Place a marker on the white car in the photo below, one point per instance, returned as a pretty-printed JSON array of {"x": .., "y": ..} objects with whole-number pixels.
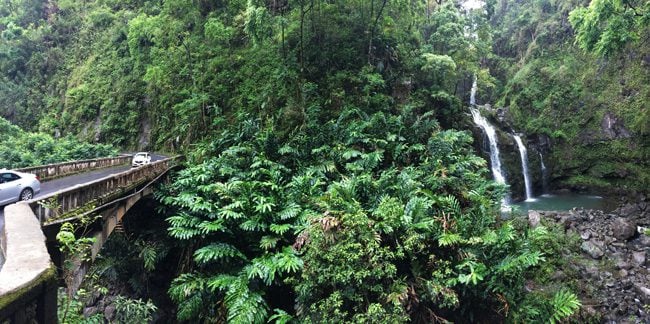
[
  {"x": 140, "y": 159},
  {"x": 15, "y": 186}
]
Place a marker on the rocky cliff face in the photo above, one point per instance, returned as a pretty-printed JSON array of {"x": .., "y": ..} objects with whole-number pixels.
[{"x": 603, "y": 157}]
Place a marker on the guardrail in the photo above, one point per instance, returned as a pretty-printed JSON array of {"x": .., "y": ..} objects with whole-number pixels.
[
  {"x": 60, "y": 203},
  {"x": 28, "y": 282},
  {"x": 57, "y": 170}
]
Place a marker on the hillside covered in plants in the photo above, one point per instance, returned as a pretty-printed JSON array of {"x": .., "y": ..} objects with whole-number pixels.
[
  {"x": 22, "y": 149},
  {"x": 333, "y": 171}
]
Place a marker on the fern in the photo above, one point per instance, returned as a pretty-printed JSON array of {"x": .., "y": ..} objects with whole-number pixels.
[
  {"x": 268, "y": 242},
  {"x": 350, "y": 154},
  {"x": 149, "y": 256},
  {"x": 280, "y": 229},
  {"x": 448, "y": 239},
  {"x": 244, "y": 306},
  {"x": 565, "y": 303},
  {"x": 291, "y": 211},
  {"x": 217, "y": 252},
  {"x": 280, "y": 317},
  {"x": 184, "y": 233},
  {"x": 212, "y": 226},
  {"x": 261, "y": 268},
  {"x": 287, "y": 261}
]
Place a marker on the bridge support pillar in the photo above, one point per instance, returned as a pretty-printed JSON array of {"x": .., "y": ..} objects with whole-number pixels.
[{"x": 46, "y": 305}]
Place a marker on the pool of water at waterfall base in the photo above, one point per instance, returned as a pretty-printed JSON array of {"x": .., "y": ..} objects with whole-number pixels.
[{"x": 565, "y": 201}]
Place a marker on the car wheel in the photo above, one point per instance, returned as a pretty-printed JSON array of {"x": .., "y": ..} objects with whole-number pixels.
[{"x": 26, "y": 194}]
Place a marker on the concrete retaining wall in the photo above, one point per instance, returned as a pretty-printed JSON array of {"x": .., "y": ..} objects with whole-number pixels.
[{"x": 28, "y": 283}]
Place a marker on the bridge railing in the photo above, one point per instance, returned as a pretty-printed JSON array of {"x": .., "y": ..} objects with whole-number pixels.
[
  {"x": 28, "y": 280},
  {"x": 96, "y": 193},
  {"x": 57, "y": 170}
]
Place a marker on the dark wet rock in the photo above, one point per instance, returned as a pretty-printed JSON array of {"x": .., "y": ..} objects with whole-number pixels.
[
  {"x": 643, "y": 291},
  {"x": 644, "y": 241},
  {"x": 627, "y": 209},
  {"x": 639, "y": 258},
  {"x": 109, "y": 312},
  {"x": 592, "y": 271},
  {"x": 618, "y": 286},
  {"x": 592, "y": 249},
  {"x": 613, "y": 128},
  {"x": 89, "y": 311},
  {"x": 622, "y": 264},
  {"x": 623, "y": 228},
  {"x": 558, "y": 275}
]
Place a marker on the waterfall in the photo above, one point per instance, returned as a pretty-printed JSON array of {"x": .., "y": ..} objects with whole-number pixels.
[
  {"x": 472, "y": 94},
  {"x": 524, "y": 167},
  {"x": 544, "y": 174},
  {"x": 491, "y": 133}
]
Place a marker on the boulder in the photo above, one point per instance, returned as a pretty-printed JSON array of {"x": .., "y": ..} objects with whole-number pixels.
[
  {"x": 109, "y": 313},
  {"x": 89, "y": 311},
  {"x": 638, "y": 258},
  {"x": 644, "y": 240},
  {"x": 623, "y": 228},
  {"x": 592, "y": 249},
  {"x": 533, "y": 218},
  {"x": 628, "y": 209},
  {"x": 643, "y": 292}
]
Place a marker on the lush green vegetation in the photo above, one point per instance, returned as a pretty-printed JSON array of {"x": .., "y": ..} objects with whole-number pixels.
[
  {"x": 329, "y": 178},
  {"x": 22, "y": 149},
  {"x": 367, "y": 217}
]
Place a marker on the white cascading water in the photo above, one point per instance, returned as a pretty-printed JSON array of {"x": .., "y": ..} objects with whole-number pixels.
[
  {"x": 491, "y": 133},
  {"x": 544, "y": 173},
  {"x": 524, "y": 167},
  {"x": 495, "y": 161},
  {"x": 472, "y": 93}
]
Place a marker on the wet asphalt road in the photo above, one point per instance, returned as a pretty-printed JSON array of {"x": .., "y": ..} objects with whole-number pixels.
[{"x": 55, "y": 185}]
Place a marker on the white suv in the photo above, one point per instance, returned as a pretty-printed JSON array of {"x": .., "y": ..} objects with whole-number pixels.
[
  {"x": 15, "y": 186},
  {"x": 140, "y": 159}
]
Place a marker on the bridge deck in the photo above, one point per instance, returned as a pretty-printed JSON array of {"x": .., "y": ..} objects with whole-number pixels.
[
  {"x": 62, "y": 183},
  {"x": 55, "y": 185},
  {"x": 110, "y": 193}
]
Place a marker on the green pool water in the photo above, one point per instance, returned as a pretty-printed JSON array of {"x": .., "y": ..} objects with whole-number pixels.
[{"x": 564, "y": 201}]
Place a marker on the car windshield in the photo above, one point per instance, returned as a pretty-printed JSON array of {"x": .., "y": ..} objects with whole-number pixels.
[{"x": 141, "y": 155}]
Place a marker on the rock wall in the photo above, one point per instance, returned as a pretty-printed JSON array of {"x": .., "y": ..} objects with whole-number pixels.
[{"x": 612, "y": 273}]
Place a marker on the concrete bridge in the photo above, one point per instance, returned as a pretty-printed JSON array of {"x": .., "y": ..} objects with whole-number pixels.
[{"x": 30, "y": 275}]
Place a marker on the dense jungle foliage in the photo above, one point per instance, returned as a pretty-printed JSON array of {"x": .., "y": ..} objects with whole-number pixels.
[
  {"x": 22, "y": 149},
  {"x": 330, "y": 174}
]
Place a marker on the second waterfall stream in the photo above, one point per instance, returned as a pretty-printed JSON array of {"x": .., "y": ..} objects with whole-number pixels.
[{"x": 524, "y": 167}]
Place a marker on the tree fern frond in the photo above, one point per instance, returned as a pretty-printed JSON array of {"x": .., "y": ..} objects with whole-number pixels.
[
  {"x": 565, "y": 303},
  {"x": 268, "y": 242},
  {"x": 448, "y": 239},
  {"x": 280, "y": 229},
  {"x": 212, "y": 226},
  {"x": 216, "y": 252},
  {"x": 184, "y": 233},
  {"x": 290, "y": 211},
  {"x": 245, "y": 306}
]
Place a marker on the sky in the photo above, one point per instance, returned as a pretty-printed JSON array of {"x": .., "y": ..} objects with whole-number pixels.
[{"x": 473, "y": 4}]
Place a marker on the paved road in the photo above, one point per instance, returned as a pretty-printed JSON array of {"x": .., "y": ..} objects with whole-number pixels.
[{"x": 49, "y": 187}]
